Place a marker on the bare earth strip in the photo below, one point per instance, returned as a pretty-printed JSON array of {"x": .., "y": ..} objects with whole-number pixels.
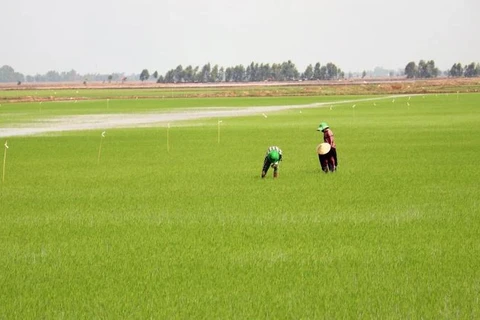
[{"x": 108, "y": 121}]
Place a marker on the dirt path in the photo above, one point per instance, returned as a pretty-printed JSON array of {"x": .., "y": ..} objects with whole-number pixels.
[{"x": 108, "y": 121}]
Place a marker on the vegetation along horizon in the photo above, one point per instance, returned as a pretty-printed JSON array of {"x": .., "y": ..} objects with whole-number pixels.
[{"x": 175, "y": 222}]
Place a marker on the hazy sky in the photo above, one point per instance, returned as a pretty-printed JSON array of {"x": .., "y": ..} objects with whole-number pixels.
[{"x": 104, "y": 36}]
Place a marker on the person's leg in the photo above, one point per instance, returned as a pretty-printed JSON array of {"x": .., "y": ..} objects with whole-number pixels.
[
  {"x": 331, "y": 160},
  {"x": 331, "y": 164},
  {"x": 266, "y": 165},
  {"x": 275, "y": 172},
  {"x": 323, "y": 162},
  {"x": 334, "y": 151}
]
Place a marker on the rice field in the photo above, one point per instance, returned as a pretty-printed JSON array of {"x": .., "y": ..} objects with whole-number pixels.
[{"x": 176, "y": 222}]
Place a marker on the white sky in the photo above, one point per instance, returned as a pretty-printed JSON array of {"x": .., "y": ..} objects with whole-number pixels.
[{"x": 105, "y": 36}]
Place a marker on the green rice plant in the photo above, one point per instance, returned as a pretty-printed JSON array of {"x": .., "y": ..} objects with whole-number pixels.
[
  {"x": 196, "y": 233},
  {"x": 20, "y": 113}
]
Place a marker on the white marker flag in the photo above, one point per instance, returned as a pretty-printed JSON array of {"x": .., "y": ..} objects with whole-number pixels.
[
  {"x": 100, "y": 147},
  {"x": 4, "y": 161},
  {"x": 218, "y": 131}
]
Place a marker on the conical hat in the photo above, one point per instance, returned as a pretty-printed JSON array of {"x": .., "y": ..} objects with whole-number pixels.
[{"x": 323, "y": 148}]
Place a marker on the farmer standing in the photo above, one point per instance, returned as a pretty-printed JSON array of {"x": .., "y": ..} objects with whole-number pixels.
[
  {"x": 329, "y": 160},
  {"x": 272, "y": 159}
]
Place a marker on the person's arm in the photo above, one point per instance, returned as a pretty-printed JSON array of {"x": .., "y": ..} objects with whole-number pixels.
[{"x": 328, "y": 137}]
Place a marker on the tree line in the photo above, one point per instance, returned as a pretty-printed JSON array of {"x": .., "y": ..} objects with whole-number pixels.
[
  {"x": 8, "y": 74},
  {"x": 285, "y": 71},
  {"x": 469, "y": 70},
  {"x": 427, "y": 69}
]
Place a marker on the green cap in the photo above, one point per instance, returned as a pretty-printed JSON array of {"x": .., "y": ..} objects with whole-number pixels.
[
  {"x": 322, "y": 126},
  {"x": 274, "y": 156}
]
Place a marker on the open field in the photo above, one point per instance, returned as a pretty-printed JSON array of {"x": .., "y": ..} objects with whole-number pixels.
[
  {"x": 57, "y": 116},
  {"x": 189, "y": 230},
  {"x": 137, "y": 90}
]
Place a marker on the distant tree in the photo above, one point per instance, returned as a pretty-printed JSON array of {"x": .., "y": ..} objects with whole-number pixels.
[
  {"x": 69, "y": 76},
  {"x": 308, "y": 73},
  {"x": 470, "y": 70},
  {"x": 220, "y": 75},
  {"x": 8, "y": 74},
  {"x": 290, "y": 71},
  {"x": 196, "y": 75},
  {"x": 144, "y": 75},
  {"x": 228, "y": 74},
  {"x": 160, "y": 79},
  {"x": 155, "y": 75},
  {"x": 432, "y": 71},
  {"x": 323, "y": 72},
  {"x": 425, "y": 69},
  {"x": 264, "y": 72},
  {"x": 411, "y": 70},
  {"x": 53, "y": 76},
  {"x": 332, "y": 71},
  {"x": 205, "y": 73},
  {"x": 213, "y": 74},
  {"x": 422, "y": 69},
  {"x": 169, "y": 76},
  {"x": 39, "y": 78},
  {"x": 364, "y": 74},
  {"x": 249, "y": 73},
  {"x": 110, "y": 77},
  {"x": 256, "y": 72},
  {"x": 188, "y": 74},
  {"x": 179, "y": 74},
  {"x": 276, "y": 72},
  {"x": 456, "y": 70},
  {"x": 238, "y": 73},
  {"x": 316, "y": 71}
]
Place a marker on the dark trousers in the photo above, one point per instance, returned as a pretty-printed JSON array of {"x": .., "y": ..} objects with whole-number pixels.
[
  {"x": 328, "y": 161},
  {"x": 267, "y": 164}
]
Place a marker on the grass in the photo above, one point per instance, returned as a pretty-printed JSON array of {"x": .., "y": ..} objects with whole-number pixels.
[
  {"x": 15, "y": 113},
  {"x": 195, "y": 233}
]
